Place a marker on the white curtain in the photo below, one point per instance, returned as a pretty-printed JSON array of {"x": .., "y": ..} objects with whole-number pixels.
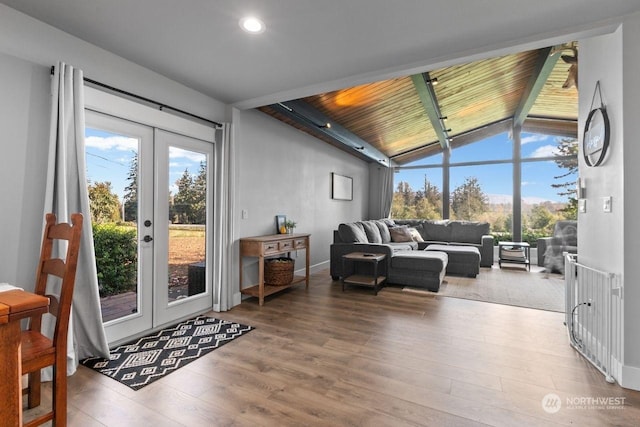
[
  {"x": 65, "y": 194},
  {"x": 223, "y": 259}
]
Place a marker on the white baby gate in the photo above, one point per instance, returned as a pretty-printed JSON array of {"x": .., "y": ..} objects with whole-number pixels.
[{"x": 593, "y": 315}]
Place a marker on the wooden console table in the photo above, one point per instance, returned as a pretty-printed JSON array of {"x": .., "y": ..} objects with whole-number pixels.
[
  {"x": 14, "y": 306},
  {"x": 266, "y": 246}
]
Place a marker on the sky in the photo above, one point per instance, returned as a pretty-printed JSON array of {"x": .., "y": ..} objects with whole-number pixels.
[
  {"x": 109, "y": 158},
  {"x": 496, "y": 180}
]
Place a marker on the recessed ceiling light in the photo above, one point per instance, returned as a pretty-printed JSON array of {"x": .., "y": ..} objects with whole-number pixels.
[{"x": 252, "y": 25}]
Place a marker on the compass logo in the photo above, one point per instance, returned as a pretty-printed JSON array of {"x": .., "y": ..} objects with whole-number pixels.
[{"x": 551, "y": 403}]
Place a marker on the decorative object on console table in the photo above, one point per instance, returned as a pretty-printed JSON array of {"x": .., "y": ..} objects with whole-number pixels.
[
  {"x": 289, "y": 226},
  {"x": 280, "y": 224},
  {"x": 341, "y": 187},
  {"x": 268, "y": 246}
]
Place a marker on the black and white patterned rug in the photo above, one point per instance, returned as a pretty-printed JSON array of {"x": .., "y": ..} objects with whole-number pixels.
[{"x": 140, "y": 363}]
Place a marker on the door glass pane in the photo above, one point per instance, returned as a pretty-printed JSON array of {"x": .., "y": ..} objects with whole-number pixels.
[
  {"x": 187, "y": 223},
  {"x": 112, "y": 180}
]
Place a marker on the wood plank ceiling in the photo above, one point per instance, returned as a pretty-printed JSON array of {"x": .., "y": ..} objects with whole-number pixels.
[{"x": 389, "y": 121}]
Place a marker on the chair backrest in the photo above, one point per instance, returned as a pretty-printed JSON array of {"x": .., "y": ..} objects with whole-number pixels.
[
  {"x": 567, "y": 230},
  {"x": 62, "y": 268}
]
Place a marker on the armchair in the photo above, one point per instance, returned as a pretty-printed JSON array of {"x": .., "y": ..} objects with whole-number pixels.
[{"x": 550, "y": 249}]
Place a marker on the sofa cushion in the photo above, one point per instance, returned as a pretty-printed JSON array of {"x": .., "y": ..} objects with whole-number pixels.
[
  {"x": 468, "y": 231},
  {"x": 352, "y": 233},
  {"x": 372, "y": 231},
  {"x": 384, "y": 230},
  {"x": 420, "y": 260},
  {"x": 436, "y": 230},
  {"x": 403, "y": 246},
  {"x": 400, "y": 234}
]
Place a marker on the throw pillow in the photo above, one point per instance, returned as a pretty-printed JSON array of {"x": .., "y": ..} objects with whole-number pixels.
[
  {"x": 400, "y": 234},
  {"x": 415, "y": 235}
]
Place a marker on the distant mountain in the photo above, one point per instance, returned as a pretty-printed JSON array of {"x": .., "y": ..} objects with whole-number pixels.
[{"x": 505, "y": 199}]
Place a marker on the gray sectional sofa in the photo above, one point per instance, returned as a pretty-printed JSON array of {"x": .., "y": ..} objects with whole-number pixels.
[{"x": 419, "y": 268}]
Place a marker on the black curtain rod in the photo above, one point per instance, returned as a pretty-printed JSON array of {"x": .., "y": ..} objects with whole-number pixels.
[{"x": 142, "y": 98}]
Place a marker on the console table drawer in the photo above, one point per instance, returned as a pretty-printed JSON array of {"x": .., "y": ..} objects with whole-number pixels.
[
  {"x": 300, "y": 243},
  {"x": 271, "y": 247},
  {"x": 285, "y": 245}
]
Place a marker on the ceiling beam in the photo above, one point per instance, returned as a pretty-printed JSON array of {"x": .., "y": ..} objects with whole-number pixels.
[
  {"x": 424, "y": 87},
  {"x": 559, "y": 127},
  {"x": 309, "y": 117},
  {"x": 543, "y": 68},
  {"x": 468, "y": 137}
]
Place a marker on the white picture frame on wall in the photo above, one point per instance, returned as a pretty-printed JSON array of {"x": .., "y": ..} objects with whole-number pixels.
[{"x": 341, "y": 187}]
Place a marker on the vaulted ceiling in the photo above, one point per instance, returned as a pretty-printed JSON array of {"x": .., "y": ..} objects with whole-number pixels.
[
  {"x": 363, "y": 65},
  {"x": 406, "y": 118}
]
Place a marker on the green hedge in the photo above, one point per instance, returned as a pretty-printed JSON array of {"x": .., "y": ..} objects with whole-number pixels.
[
  {"x": 530, "y": 237},
  {"x": 116, "y": 258}
]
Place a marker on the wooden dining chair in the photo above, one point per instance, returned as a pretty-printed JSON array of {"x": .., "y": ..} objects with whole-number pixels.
[{"x": 38, "y": 351}]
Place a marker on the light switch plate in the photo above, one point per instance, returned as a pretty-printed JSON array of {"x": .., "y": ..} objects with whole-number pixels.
[
  {"x": 245, "y": 213},
  {"x": 606, "y": 204},
  {"x": 582, "y": 205}
]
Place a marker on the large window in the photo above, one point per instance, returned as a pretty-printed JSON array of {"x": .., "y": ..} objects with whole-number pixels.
[
  {"x": 483, "y": 193},
  {"x": 481, "y": 184},
  {"x": 418, "y": 194}
]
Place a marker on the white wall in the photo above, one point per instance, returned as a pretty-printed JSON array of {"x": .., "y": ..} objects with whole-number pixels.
[
  {"x": 280, "y": 170},
  {"x": 24, "y": 118},
  {"x": 630, "y": 161},
  {"x": 40, "y": 43},
  {"x": 28, "y": 48},
  {"x": 600, "y": 235},
  {"x": 608, "y": 241}
]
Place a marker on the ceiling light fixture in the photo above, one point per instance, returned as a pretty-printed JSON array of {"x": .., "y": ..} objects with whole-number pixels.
[
  {"x": 433, "y": 81},
  {"x": 252, "y": 25},
  {"x": 325, "y": 126}
]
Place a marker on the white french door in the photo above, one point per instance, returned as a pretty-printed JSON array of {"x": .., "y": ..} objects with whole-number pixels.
[
  {"x": 151, "y": 197},
  {"x": 183, "y": 218}
]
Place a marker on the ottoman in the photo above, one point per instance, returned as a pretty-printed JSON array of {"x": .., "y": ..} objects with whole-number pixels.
[
  {"x": 422, "y": 269},
  {"x": 463, "y": 260}
]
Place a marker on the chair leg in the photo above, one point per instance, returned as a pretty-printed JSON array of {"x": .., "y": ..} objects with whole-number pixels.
[
  {"x": 34, "y": 393},
  {"x": 59, "y": 394}
]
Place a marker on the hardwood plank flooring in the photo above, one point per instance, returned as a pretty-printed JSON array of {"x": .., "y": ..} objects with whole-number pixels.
[{"x": 323, "y": 357}]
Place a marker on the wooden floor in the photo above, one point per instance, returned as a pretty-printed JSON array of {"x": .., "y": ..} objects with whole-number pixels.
[{"x": 327, "y": 358}]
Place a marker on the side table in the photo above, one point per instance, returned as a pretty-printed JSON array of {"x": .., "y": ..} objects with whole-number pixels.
[
  {"x": 514, "y": 253},
  {"x": 363, "y": 279}
]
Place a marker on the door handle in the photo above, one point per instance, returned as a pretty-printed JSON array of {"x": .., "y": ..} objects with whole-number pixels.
[{"x": 147, "y": 238}]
